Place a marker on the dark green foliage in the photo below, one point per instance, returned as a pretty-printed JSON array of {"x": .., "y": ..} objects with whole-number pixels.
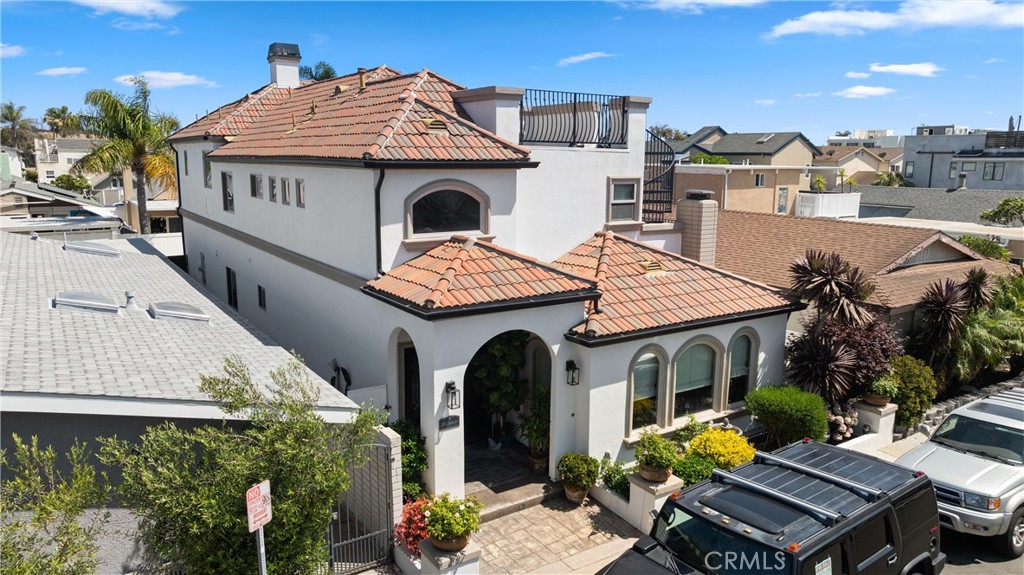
[
  {"x": 31, "y": 175},
  {"x": 987, "y": 247},
  {"x": 702, "y": 158},
  {"x": 789, "y": 414},
  {"x": 1009, "y": 212},
  {"x": 693, "y": 468},
  {"x": 321, "y": 71},
  {"x": 579, "y": 470},
  {"x": 693, "y": 429},
  {"x": 667, "y": 132},
  {"x": 414, "y": 458},
  {"x": 536, "y": 424},
  {"x": 837, "y": 289},
  {"x": 655, "y": 451},
  {"x": 497, "y": 367},
  {"x": 73, "y": 183},
  {"x": 821, "y": 364},
  {"x": 615, "y": 477},
  {"x": 917, "y": 389}
]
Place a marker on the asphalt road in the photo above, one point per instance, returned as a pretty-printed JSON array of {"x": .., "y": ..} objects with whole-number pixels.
[{"x": 972, "y": 555}]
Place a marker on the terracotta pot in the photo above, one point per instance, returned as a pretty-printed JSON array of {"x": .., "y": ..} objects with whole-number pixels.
[
  {"x": 876, "y": 400},
  {"x": 450, "y": 545},
  {"x": 538, "y": 464},
  {"x": 655, "y": 474},
  {"x": 576, "y": 494}
]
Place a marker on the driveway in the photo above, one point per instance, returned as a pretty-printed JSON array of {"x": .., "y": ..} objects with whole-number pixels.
[{"x": 973, "y": 555}]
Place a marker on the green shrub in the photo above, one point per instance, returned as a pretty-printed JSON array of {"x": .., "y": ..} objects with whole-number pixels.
[
  {"x": 452, "y": 518},
  {"x": 579, "y": 470},
  {"x": 693, "y": 468},
  {"x": 726, "y": 449},
  {"x": 615, "y": 477},
  {"x": 887, "y": 386},
  {"x": 917, "y": 389},
  {"x": 789, "y": 414},
  {"x": 693, "y": 429},
  {"x": 414, "y": 458},
  {"x": 655, "y": 451}
]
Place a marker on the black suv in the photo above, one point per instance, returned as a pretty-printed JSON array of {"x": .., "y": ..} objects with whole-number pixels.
[{"x": 806, "y": 509}]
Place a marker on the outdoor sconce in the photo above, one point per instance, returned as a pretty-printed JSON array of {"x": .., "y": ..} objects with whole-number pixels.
[
  {"x": 454, "y": 396},
  {"x": 572, "y": 373}
]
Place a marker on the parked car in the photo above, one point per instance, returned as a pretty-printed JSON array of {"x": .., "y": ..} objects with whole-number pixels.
[
  {"x": 976, "y": 460},
  {"x": 806, "y": 509}
]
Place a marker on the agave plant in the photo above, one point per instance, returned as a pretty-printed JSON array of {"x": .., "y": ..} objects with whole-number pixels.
[{"x": 837, "y": 289}]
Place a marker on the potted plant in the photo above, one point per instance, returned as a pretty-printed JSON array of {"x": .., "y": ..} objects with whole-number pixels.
[
  {"x": 882, "y": 390},
  {"x": 497, "y": 369},
  {"x": 451, "y": 521},
  {"x": 579, "y": 473},
  {"x": 536, "y": 428},
  {"x": 655, "y": 455},
  {"x": 413, "y": 527}
]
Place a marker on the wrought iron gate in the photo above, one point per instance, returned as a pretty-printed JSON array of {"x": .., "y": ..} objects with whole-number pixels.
[
  {"x": 659, "y": 173},
  {"x": 360, "y": 535}
]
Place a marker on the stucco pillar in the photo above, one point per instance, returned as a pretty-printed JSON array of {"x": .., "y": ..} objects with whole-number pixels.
[{"x": 446, "y": 449}]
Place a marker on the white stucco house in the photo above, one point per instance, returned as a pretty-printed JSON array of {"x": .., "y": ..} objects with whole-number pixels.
[{"x": 388, "y": 225}]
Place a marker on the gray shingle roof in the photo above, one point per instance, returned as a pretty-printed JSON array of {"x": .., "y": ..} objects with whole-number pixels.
[
  {"x": 128, "y": 356},
  {"x": 748, "y": 143},
  {"x": 76, "y": 144},
  {"x": 694, "y": 139},
  {"x": 51, "y": 192},
  {"x": 936, "y": 203}
]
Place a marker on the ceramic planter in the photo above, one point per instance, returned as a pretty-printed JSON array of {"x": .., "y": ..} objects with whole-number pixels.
[
  {"x": 576, "y": 494},
  {"x": 655, "y": 474},
  {"x": 450, "y": 545},
  {"x": 876, "y": 399}
]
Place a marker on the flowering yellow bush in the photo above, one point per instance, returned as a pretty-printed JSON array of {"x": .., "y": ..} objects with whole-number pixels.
[{"x": 726, "y": 448}]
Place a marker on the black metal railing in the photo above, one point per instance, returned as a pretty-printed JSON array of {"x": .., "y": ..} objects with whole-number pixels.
[
  {"x": 572, "y": 118},
  {"x": 659, "y": 176},
  {"x": 1004, "y": 139}
]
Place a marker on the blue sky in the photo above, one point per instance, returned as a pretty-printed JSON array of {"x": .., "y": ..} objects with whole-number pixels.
[{"x": 747, "y": 65}]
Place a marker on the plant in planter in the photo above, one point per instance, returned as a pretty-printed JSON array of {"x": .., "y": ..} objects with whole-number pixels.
[
  {"x": 579, "y": 473},
  {"x": 615, "y": 477},
  {"x": 497, "y": 370},
  {"x": 413, "y": 527},
  {"x": 655, "y": 455},
  {"x": 882, "y": 390},
  {"x": 693, "y": 468},
  {"x": 536, "y": 427},
  {"x": 451, "y": 521},
  {"x": 725, "y": 448}
]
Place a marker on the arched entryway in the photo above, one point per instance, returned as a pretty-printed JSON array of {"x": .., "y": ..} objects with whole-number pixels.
[{"x": 408, "y": 370}]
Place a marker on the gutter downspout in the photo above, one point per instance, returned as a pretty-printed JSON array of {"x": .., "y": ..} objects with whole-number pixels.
[
  {"x": 376, "y": 214},
  {"x": 177, "y": 176},
  {"x": 725, "y": 192}
]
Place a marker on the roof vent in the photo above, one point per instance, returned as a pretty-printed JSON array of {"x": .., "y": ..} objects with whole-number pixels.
[
  {"x": 85, "y": 301},
  {"x": 698, "y": 194},
  {"x": 651, "y": 267},
  {"x": 435, "y": 125},
  {"x": 338, "y": 90},
  {"x": 882, "y": 154},
  {"x": 92, "y": 248},
  {"x": 174, "y": 311},
  {"x": 764, "y": 138}
]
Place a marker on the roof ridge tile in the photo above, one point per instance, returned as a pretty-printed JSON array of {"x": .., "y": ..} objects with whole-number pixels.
[
  {"x": 441, "y": 289},
  {"x": 408, "y": 99}
]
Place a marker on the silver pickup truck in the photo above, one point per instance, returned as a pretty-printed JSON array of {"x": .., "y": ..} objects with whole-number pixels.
[{"x": 975, "y": 458}]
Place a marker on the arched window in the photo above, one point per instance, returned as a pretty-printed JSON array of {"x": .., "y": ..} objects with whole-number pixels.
[
  {"x": 739, "y": 368},
  {"x": 695, "y": 380},
  {"x": 446, "y": 211},
  {"x": 646, "y": 375}
]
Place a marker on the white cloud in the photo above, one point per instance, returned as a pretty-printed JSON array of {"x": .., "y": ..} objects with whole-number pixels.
[
  {"x": 911, "y": 14},
  {"x": 994, "y": 61},
  {"x": 926, "y": 69},
  {"x": 9, "y": 50},
  {"x": 857, "y": 75},
  {"x": 765, "y": 102},
  {"x": 62, "y": 71},
  {"x": 136, "y": 25},
  {"x": 864, "y": 92},
  {"x": 158, "y": 79},
  {"x": 139, "y": 8},
  {"x": 694, "y": 6},
  {"x": 807, "y": 94},
  {"x": 583, "y": 58}
]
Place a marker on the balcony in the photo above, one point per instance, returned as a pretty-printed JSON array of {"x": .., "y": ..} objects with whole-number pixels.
[
  {"x": 827, "y": 204},
  {"x": 572, "y": 119},
  {"x": 48, "y": 158}
]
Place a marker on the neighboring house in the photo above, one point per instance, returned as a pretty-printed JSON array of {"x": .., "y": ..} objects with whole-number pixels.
[
  {"x": 387, "y": 226},
  {"x": 861, "y": 164},
  {"x": 11, "y": 164},
  {"x": 103, "y": 343},
  {"x": 161, "y": 209},
  {"x": 56, "y": 156},
  {"x": 764, "y": 174},
  {"x": 701, "y": 141},
  {"x": 991, "y": 160},
  {"x": 868, "y": 139},
  {"x": 26, "y": 208},
  {"x": 901, "y": 261}
]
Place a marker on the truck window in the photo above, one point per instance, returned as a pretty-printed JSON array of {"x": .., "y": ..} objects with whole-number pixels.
[
  {"x": 872, "y": 538},
  {"x": 919, "y": 510}
]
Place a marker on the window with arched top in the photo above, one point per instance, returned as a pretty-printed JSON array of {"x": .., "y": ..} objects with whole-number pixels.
[
  {"x": 695, "y": 371},
  {"x": 645, "y": 376},
  {"x": 742, "y": 374},
  {"x": 444, "y": 211}
]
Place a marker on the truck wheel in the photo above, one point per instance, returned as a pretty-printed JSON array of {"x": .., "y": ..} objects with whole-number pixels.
[{"x": 1012, "y": 542}]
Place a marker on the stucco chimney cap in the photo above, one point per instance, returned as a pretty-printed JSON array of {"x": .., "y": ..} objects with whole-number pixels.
[{"x": 282, "y": 50}]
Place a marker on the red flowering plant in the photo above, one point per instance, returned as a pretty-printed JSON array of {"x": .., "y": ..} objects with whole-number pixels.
[{"x": 413, "y": 527}]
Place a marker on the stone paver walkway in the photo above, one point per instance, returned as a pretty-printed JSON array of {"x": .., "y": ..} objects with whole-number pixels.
[{"x": 551, "y": 538}]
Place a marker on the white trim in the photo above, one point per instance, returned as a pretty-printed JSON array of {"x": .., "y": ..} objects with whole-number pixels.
[
  {"x": 448, "y": 184},
  {"x": 659, "y": 393},
  {"x": 717, "y": 396}
]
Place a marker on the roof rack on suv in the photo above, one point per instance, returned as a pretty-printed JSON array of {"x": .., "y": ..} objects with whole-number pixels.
[
  {"x": 870, "y": 493},
  {"x": 827, "y": 516}
]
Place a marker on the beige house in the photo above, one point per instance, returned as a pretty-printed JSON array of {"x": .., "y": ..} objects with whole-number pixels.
[{"x": 861, "y": 164}]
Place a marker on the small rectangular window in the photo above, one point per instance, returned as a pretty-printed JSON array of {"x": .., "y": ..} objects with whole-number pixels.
[
  {"x": 261, "y": 295},
  {"x": 954, "y": 170},
  {"x": 232, "y": 289},
  {"x": 993, "y": 171},
  {"x": 300, "y": 193},
  {"x": 49, "y": 174},
  {"x": 227, "y": 191},
  {"x": 71, "y": 161},
  {"x": 908, "y": 169},
  {"x": 969, "y": 166},
  {"x": 870, "y": 540},
  {"x": 256, "y": 185},
  {"x": 284, "y": 191},
  {"x": 272, "y": 188},
  {"x": 623, "y": 202},
  {"x": 783, "y": 206},
  {"x": 184, "y": 161},
  {"x": 207, "y": 172},
  {"x": 758, "y": 180}
]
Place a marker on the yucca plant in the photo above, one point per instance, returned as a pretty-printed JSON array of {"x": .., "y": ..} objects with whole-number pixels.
[
  {"x": 976, "y": 288},
  {"x": 943, "y": 308},
  {"x": 823, "y": 365}
]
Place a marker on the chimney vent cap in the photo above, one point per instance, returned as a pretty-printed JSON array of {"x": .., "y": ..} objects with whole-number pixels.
[{"x": 280, "y": 49}]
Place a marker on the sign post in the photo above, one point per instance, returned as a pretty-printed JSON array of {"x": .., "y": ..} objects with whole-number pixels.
[{"x": 257, "y": 505}]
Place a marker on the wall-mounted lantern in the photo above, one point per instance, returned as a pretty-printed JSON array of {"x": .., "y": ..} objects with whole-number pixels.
[
  {"x": 453, "y": 394},
  {"x": 572, "y": 373}
]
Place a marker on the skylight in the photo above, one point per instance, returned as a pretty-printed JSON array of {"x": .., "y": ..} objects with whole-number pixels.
[
  {"x": 174, "y": 311},
  {"x": 765, "y": 138},
  {"x": 85, "y": 301}
]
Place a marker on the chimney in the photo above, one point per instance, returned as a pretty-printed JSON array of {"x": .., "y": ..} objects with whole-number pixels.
[
  {"x": 284, "y": 64},
  {"x": 963, "y": 181},
  {"x": 698, "y": 214},
  {"x": 494, "y": 108}
]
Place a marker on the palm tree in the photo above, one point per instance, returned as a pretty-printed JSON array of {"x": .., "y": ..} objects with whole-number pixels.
[
  {"x": 820, "y": 364},
  {"x": 17, "y": 130},
  {"x": 986, "y": 338},
  {"x": 836, "y": 288},
  {"x": 61, "y": 121},
  {"x": 943, "y": 309},
  {"x": 892, "y": 179},
  {"x": 819, "y": 183},
  {"x": 321, "y": 71},
  {"x": 135, "y": 139},
  {"x": 976, "y": 289},
  {"x": 841, "y": 175}
]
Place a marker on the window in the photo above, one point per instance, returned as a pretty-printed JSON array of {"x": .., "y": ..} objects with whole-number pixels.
[
  {"x": 758, "y": 180},
  {"x": 261, "y": 296},
  {"x": 202, "y": 267},
  {"x": 227, "y": 191},
  {"x": 926, "y": 132},
  {"x": 646, "y": 374},
  {"x": 207, "y": 172},
  {"x": 908, "y": 169},
  {"x": 49, "y": 174},
  {"x": 993, "y": 171},
  {"x": 115, "y": 182},
  {"x": 71, "y": 161},
  {"x": 300, "y": 193},
  {"x": 871, "y": 540},
  {"x": 18, "y": 200},
  {"x": 256, "y": 185},
  {"x": 969, "y": 166},
  {"x": 783, "y": 205},
  {"x": 623, "y": 202},
  {"x": 695, "y": 380},
  {"x": 284, "y": 191},
  {"x": 232, "y": 289},
  {"x": 446, "y": 211},
  {"x": 739, "y": 368},
  {"x": 954, "y": 170},
  {"x": 272, "y": 188},
  {"x": 184, "y": 161}
]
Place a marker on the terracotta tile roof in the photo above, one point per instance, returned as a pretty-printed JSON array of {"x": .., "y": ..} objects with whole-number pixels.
[
  {"x": 905, "y": 286},
  {"x": 396, "y": 117},
  {"x": 644, "y": 288},
  {"x": 463, "y": 272}
]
